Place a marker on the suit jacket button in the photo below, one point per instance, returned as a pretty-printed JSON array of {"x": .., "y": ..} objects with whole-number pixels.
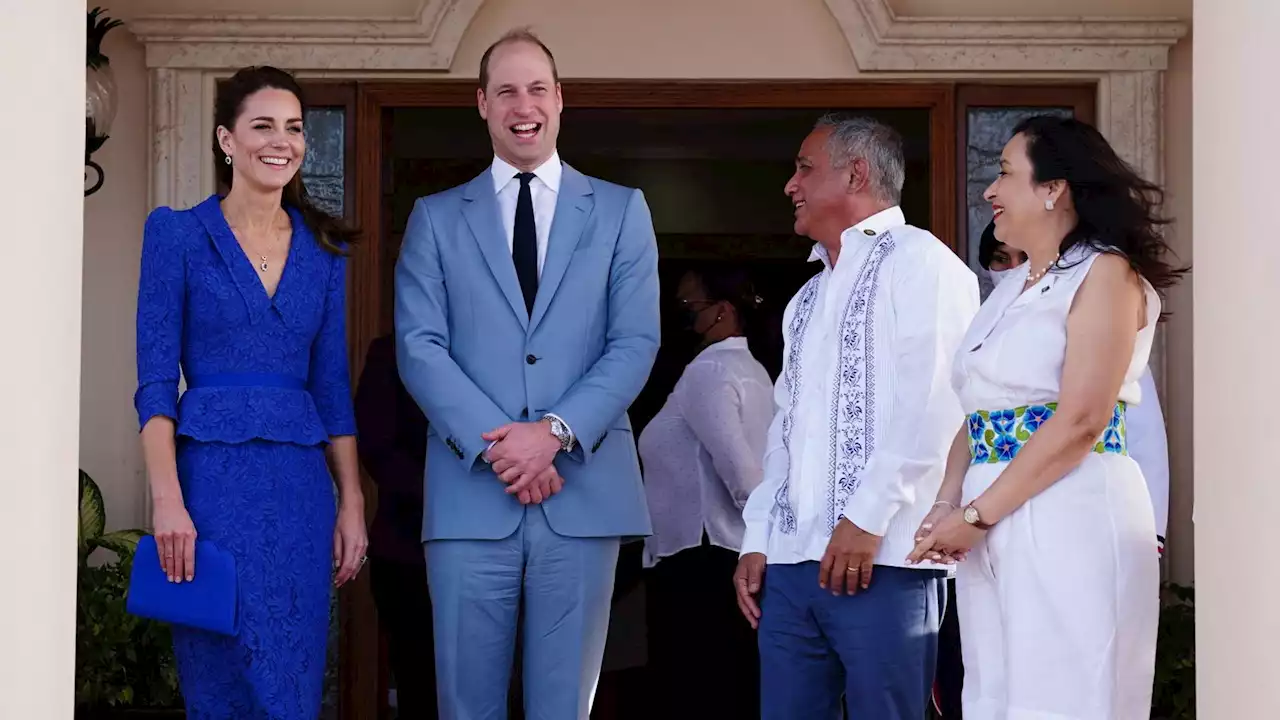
[{"x": 530, "y": 359}]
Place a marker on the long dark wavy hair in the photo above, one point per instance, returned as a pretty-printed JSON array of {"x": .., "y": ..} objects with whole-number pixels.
[
  {"x": 1117, "y": 210},
  {"x": 328, "y": 230}
]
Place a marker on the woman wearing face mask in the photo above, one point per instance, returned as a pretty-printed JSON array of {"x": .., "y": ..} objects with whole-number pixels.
[
  {"x": 1049, "y": 516},
  {"x": 998, "y": 259},
  {"x": 245, "y": 295},
  {"x": 702, "y": 456}
]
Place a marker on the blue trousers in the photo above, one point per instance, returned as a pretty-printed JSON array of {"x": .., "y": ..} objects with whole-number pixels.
[
  {"x": 477, "y": 587},
  {"x": 877, "y": 648}
]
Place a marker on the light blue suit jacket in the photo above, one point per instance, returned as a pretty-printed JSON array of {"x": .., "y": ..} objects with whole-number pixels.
[{"x": 474, "y": 359}]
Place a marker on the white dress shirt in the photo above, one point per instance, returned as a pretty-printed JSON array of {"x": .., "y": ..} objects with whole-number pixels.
[
  {"x": 544, "y": 188},
  {"x": 702, "y": 452},
  {"x": 866, "y": 411}
]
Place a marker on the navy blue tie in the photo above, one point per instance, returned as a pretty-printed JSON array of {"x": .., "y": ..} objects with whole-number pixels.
[{"x": 524, "y": 246}]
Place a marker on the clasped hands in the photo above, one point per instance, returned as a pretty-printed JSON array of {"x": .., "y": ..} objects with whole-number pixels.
[
  {"x": 523, "y": 457},
  {"x": 944, "y": 536}
]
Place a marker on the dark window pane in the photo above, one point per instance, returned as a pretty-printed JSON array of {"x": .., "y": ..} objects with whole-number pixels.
[
  {"x": 989, "y": 129},
  {"x": 323, "y": 169}
]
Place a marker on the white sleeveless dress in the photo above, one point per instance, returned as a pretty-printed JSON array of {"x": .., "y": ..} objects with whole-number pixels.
[{"x": 1059, "y": 604}]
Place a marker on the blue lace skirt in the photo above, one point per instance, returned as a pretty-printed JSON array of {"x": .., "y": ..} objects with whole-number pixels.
[{"x": 271, "y": 505}]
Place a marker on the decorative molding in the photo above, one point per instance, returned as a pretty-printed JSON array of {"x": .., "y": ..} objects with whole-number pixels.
[
  {"x": 179, "y": 143},
  {"x": 882, "y": 41},
  {"x": 1131, "y": 115},
  {"x": 426, "y": 41}
]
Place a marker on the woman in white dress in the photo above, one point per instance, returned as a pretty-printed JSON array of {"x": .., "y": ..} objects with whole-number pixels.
[
  {"x": 1144, "y": 422},
  {"x": 1058, "y": 583}
]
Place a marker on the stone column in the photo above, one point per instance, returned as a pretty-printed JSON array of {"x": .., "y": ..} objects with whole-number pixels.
[
  {"x": 1237, "y": 385},
  {"x": 42, "y": 81}
]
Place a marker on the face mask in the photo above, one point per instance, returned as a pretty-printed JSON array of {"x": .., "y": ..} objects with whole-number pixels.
[{"x": 999, "y": 275}]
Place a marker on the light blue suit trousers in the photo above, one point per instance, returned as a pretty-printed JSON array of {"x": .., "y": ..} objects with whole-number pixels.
[{"x": 476, "y": 587}]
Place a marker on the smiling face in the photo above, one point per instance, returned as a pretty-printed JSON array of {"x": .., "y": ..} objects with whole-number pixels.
[
  {"x": 266, "y": 142},
  {"x": 521, "y": 105},
  {"x": 819, "y": 191},
  {"x": 1018, "y": 202}
]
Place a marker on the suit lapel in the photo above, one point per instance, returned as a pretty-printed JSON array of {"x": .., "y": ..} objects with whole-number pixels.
[
  {"x": 573, "y": 206},
  {"x": 481, "y": 213}
]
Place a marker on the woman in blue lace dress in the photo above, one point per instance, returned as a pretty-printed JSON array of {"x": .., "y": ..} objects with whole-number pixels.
[{"x": 245, "y": 294}]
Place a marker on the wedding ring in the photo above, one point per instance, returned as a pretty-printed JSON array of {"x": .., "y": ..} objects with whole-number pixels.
[{"x": 852, "y": 569}]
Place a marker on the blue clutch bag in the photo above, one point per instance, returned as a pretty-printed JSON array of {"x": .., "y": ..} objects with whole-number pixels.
[{"x": 209, "y": 602}]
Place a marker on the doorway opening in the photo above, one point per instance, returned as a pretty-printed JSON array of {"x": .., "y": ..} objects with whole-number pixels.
[
  {"x": 712, "y": 159},
  {"x": 712, "y": 169}
]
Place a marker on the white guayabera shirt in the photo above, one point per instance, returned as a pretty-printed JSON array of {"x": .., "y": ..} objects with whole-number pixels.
[{"x": 865, "y": 408}]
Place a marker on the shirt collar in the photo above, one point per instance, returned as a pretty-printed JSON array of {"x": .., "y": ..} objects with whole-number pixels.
[
  {"x": 548, "y": 172},
  {"x": 737, "y": 342},
  {"x": 870, "y": 229}
]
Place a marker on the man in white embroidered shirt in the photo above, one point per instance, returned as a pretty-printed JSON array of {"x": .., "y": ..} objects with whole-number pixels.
[{"x": 865, "y": 417}]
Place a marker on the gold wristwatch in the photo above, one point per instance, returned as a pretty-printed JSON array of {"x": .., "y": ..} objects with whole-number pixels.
[{"x": 972, "y": 517}]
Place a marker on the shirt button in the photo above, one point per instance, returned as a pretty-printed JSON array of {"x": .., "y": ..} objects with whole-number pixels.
[{"x": 530, "y": 359}]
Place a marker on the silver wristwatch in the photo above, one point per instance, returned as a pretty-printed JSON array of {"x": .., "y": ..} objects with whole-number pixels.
[{"x": 561, "y": 431}]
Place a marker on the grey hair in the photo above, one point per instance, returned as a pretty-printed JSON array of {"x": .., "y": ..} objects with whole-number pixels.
[{"x": 856, "y": 136}]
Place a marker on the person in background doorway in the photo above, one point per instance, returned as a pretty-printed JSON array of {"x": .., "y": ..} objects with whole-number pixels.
[
  {"x": 996, "y": 258},
  {"x": 857, "y": 446},
  {"x": 393, "y": 450},
  {"x": 702, "y": 458}
]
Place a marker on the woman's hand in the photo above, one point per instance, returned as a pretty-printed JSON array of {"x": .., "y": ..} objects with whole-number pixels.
[
  {"x": 951, "y": 539},
  {"x": 939, "y": 510},
  {"x": 936, "y": 514},
  {"x": 175, "y": 540},
  {"x": 350, "y": 541}
]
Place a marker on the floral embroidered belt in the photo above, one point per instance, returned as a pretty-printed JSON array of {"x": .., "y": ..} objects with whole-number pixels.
[{"x": 998, "y": 435}]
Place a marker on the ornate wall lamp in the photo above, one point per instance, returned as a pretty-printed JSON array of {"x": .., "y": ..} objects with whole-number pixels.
[{"x": 100, "y": 95}]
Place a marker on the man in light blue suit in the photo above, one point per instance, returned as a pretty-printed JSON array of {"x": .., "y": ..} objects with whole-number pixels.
[{"x": 526, "y": 322}]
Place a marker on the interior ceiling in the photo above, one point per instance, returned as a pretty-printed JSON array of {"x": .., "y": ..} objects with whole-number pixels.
[{"x": 129, "y": 9}]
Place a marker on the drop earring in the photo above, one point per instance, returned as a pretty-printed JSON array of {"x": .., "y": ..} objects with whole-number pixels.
[{"x": 228, "y": 158}]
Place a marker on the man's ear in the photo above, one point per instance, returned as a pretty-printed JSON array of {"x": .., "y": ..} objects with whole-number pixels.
[
  {"x": 481, "y": 104},
  {"x": 857, "y": 176}
]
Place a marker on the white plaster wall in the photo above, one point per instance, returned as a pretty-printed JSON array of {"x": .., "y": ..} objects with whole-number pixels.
[
  {"x": 40, "y": 193},
  {"x": 113, "y": 217},
  {"x": 1236, "y": 296}
]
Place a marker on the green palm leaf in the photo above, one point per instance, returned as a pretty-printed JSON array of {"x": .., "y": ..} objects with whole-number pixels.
[
  {"x": 121, "y": 542},
  {"x": 93, "y": 514}
]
